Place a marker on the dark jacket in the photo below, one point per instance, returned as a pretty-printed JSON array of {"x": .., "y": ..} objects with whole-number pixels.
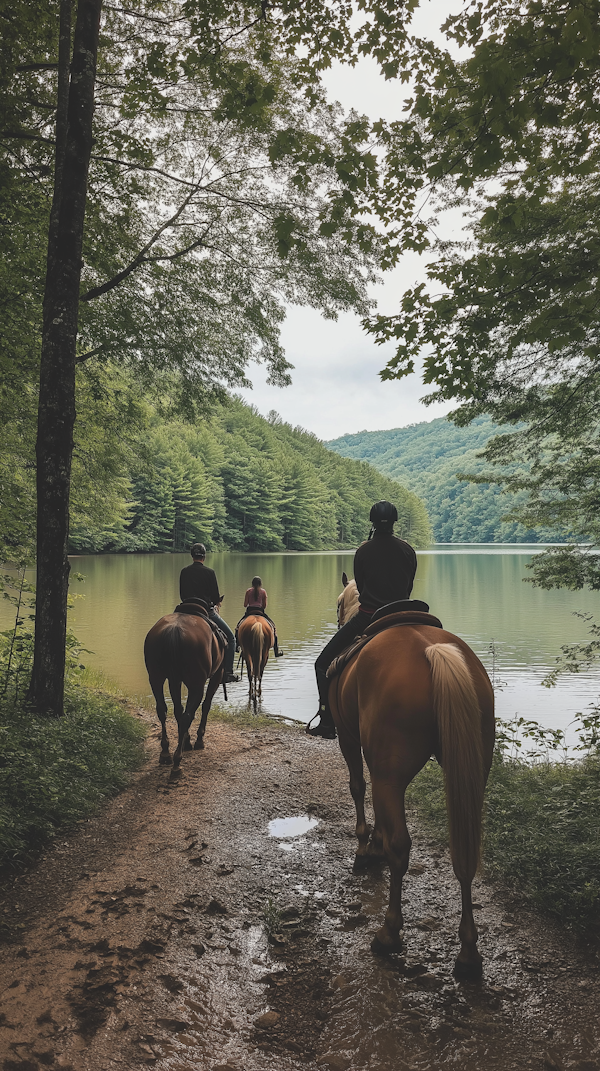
[
  {"x": 384, "y": 570},
  {"x": 200, "y": 582}
]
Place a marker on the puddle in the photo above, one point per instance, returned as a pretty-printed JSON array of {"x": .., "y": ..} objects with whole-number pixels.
[{"x": 296, "y": 826}]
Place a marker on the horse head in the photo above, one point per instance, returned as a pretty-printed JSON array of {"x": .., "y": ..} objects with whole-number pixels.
[{"x": 347, "y": 604}]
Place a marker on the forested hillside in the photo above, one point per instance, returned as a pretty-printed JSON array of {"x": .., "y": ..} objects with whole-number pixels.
[
  {"x": 239, "y": 481},
  {"x": 425, "y": 458}
]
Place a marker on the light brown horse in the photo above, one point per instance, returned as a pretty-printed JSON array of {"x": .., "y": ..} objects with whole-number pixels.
[
  {"x": 255, "y": 637},
  {"x": 415, "y": 691},
  {"x": 183, "y": 649}
]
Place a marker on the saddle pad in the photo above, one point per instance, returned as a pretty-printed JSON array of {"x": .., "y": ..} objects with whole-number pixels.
[
  {"x": 411, "y": 617},
  {"x": 221, "y": 637},
  {"x": 406, "y": 617},
  {"x": 195, "y": 609},
  {"x": 401, "y": 606},
  {"x": 346, "y": 656}
]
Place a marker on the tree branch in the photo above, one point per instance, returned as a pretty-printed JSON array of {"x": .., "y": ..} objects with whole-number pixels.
[
  {"x": 37, "y": 67},
  {"x": 143, "y": 167},
  {"x": 90, "y": 353},
  {"x": 140, "y": 258},
  {"x": 25, "y": 135}
]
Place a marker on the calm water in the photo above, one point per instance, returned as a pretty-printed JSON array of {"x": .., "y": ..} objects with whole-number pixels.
[{"x": 477, "y": 592}]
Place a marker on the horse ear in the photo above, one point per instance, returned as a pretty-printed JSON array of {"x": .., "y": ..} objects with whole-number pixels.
[{"x": 344, "y": 580}]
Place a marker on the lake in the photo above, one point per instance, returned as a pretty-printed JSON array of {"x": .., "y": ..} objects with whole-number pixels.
[{"x": 476, "y": 591}]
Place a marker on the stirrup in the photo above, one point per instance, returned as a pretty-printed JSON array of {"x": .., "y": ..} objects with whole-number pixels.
[{"x": 328, "y": 732}]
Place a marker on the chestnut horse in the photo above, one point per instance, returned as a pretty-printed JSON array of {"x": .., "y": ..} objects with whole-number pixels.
[
  {"x": 255, "y": 637},
  {"x": 411, "y": 692},
  {"x": 183, "y": 649}
]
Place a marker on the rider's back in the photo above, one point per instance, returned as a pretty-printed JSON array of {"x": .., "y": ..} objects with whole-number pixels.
[
  {"x": 384, "y": 570},
  {"x": 200, "y": 582}
]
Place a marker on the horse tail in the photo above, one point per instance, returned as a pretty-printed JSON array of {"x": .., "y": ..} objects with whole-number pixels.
[
  {"x": 256, "y": 648},
  {"x": 459, "y": 726},
  {"x": 173, "y": 650}
]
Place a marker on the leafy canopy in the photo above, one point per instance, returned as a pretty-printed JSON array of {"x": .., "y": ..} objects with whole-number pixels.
[{"x": 510, "y": 322}]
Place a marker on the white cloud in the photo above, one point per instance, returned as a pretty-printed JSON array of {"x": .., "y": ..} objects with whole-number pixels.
[{"x": 336, "y": 387}]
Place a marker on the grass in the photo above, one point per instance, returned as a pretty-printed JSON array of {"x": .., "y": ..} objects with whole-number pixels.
[
  {"x": 541, "y": 831},
  {"x": 56, "y": 771},
  {"x": 242, "y": 717},
  {"x": 271, "y": 917}
]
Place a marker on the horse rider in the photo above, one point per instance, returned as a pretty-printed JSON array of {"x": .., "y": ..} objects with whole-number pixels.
[
  {"x": 197, "y": 581},
  {"x": 255, "y": 601},
  {"x": 384, "y": 570}
]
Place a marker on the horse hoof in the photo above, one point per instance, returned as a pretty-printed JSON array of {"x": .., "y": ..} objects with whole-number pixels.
[
  {"x": 381, "y": 948},
  {"x": 165, "y": 759},
  {"x": 467, "y": 971},
  {"x": 361, "y": 862},
  {"x": 175, "y": 773},
  {"x": 367, "y": 862},
  {"x": 199, "y": 745},
  {"x": 188, "y": 746}
]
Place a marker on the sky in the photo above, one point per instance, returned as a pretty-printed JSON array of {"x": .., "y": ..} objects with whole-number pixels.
[{"x": 335, "y": 387}]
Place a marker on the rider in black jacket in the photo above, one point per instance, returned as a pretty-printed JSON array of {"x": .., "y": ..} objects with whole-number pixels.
[
  {"x": 384, "y": 570},
  {"x": 197, "y": 581}
]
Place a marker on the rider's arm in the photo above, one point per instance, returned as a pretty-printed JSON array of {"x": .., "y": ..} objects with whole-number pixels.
[{"x": 213, "y": 593}]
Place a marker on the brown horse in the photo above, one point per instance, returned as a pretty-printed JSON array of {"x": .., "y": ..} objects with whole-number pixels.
[
  {"x": 183, "y": 649},
  {"x": 255, "y": 637},
  {"x": 412, "y": 692}
]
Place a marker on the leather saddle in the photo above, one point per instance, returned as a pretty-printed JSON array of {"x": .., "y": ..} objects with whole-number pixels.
[
  {"x": 403, "y": 612},
  {"x": 196, "y": 607}
]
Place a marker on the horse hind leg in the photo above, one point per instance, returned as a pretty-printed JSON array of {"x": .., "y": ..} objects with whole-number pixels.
[
  {"x": 388, "y": 803},
  {"x": 213, "y": 685},
  {"x": 249, "y": 671},
  {"x": 469, "y": 964},
  {"x": 459, "y": 721},
  {"x": 181, "y": 719},
  {"x": 353, "y": 755},
  {"x": 157, "y": 686}
]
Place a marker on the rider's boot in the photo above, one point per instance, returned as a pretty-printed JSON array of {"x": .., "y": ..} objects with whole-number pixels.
[
  {"x": 276, "y": 651},
  {"x": 326, "y": 726}
]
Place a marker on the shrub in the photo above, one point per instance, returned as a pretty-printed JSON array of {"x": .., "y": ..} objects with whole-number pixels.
[
  {"x": 541, "y": 822},
  {"x": 55, "y": 771}
]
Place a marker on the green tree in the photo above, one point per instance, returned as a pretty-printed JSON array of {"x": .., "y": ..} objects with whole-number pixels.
[
  {"x": 510, "y": 324},
  {"x": 219, "y": 185},
  {"x": 428, "y": 458},
  {"x": 238, "y": 481}
]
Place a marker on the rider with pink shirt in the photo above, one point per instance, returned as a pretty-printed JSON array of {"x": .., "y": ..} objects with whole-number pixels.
[{"x": 255, "y": 601}]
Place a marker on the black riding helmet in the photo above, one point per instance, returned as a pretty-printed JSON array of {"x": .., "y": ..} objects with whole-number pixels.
[{"x": 382, "y": 514}]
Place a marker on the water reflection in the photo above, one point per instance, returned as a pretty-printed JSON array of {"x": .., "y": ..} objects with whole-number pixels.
[
  {"x": 295, "y": 826},
  {"x": 477, "y": 592}
]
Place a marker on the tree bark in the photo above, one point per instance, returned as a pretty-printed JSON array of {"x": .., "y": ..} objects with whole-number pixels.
[{"x": 56, "y": 412}]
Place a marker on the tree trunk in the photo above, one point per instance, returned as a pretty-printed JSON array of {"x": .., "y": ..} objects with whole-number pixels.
[{"x": 56, "y": 413}]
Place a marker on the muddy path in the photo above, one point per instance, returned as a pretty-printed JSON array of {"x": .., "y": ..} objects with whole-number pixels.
[{"x": 173, "y": 931}]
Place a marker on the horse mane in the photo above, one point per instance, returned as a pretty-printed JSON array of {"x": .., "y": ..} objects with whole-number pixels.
[{"x": 348, "y": 604}]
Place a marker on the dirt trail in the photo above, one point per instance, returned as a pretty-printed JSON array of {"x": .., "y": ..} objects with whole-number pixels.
[{"x": 142, "y": 939}]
